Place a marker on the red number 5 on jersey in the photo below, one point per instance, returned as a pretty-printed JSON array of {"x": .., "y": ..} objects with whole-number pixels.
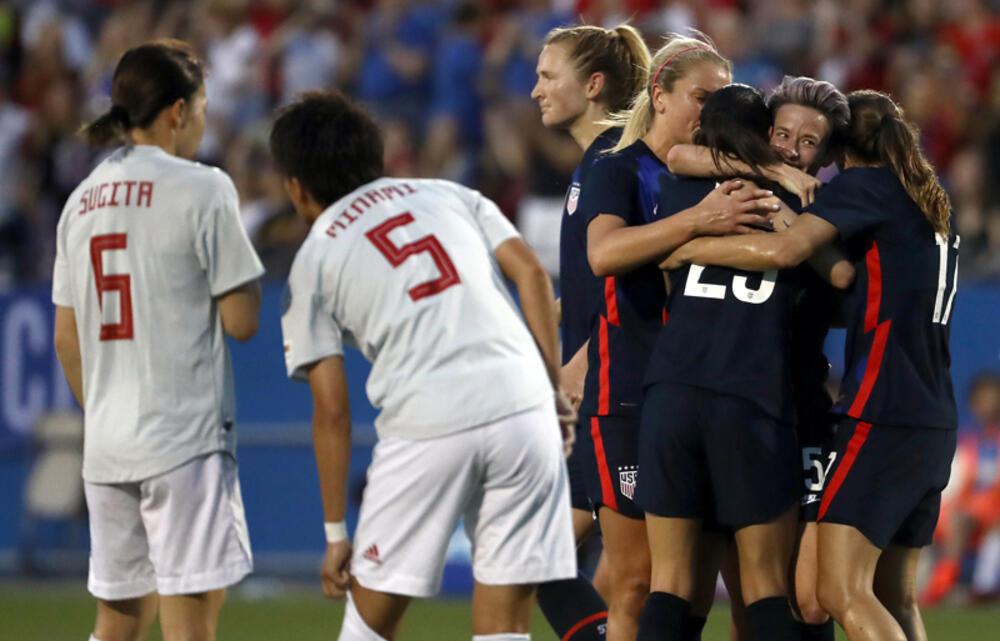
[
  {"x": 397, "y": 255},
  {"x": 121, "y": 283}
]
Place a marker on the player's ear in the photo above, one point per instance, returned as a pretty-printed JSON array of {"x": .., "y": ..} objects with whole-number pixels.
[
  {"x": 177, "y": 112},
  {"x": 595, "y": 85},
  {"x": 658, "y": 99}
]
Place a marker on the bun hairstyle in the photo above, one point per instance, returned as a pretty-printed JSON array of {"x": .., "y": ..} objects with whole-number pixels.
[
  {"x": 667, "y": 66},
  {"x": 878, "y": 135},
  {"x": 148, "y": 79},
  {"x": 734, "y": 124},
  {"x": 620, "y": 54}
]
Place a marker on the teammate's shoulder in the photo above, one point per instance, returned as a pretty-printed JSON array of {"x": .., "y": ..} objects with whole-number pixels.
[
  {"x": 861, "y": 178},
  {"x": 195, "y": 176}
]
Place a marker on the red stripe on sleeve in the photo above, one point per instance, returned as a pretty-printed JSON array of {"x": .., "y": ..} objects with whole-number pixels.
[
  {"x": 611, "y": 301},
  {"x": 604, "y": 378},
  {"x": 597, "y": 616},
  {"x": 607, "y": 490},
  {"x": 874, "y": 264},
  {"x": 666, "y": 315},
  {"x": 853, "y": 447}
]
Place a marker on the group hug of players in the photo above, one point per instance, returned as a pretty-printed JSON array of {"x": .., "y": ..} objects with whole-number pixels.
[{"x": 692, "y": 339}]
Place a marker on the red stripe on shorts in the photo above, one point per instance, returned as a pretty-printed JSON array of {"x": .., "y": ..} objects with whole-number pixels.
[
  {"x": 853, "y": 447},
  {"x": 607, "y": 490}
]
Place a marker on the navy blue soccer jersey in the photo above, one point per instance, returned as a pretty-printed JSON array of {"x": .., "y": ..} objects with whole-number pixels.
[
  {"x": 728, "y": 329},
  {"x": 579, "y": 290},
  {"x": 898, "y": 311},
  {"x": 815, "y": 306},
  {"x": 630, "y": 306}
]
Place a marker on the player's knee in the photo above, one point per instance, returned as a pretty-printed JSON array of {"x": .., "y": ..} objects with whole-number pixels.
[
  {"x": 630, "y": 592},
  {"x": 811, "y": 611},
  {"x": 833, "y": 596}
]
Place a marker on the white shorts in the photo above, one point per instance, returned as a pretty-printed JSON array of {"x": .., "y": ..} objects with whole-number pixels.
[
  {"x": 181, "y": 532},
  {"x": 507, "y": 480}
]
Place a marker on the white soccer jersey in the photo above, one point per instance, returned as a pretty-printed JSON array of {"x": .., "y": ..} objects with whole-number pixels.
[
  {"x": 143, "y": 246},
  {"x": 404, "y": 270}
]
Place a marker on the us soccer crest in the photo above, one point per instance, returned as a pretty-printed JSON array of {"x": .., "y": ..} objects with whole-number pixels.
[
  {"x": 572, "y": 199},
  {"x": 627, "y": 476}
]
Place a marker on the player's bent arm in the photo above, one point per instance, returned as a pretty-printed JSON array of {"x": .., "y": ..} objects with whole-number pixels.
[
  {"x": 240, "y": 309},
  {"x": 67, "y": 344},
  {"x": 758, "y": 252},
  {"x": 829, "y": 261},
  {"x": 613, "y": 247},
  {"x": 534, "y": 287},
  {"x": 331, "y": 433},
  {"x": 695, "y": 160}
]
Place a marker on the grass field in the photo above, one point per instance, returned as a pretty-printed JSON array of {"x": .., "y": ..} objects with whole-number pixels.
[{"x": 57, "y": 613}]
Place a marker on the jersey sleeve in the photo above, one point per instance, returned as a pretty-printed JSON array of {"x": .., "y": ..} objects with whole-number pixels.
[
  {"x": 494, "y": 225},
  {"x": 62, "y": 290},
  {"x": 221, "y": 242},
  {"x": 610, "y": 188},
  {"x": 309, "y": 328},
  {"x": 844, "y": 203}
]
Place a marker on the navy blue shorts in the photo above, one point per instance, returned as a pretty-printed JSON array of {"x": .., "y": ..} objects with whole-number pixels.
[
  {"x": 714, "y": 457},
  {"x": 576, "y": 464},
  {"x": 886, "y": 481},
  {"x": 610, "y": 462},
  {"x": 816, "y": 444}
]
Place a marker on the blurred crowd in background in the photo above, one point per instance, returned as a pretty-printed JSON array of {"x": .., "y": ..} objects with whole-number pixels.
[{"x": 450, "y": 82}]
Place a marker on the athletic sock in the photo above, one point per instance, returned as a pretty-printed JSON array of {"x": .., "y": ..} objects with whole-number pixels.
[
  {"x": 574, "y": 609},
  {"x": 93, "y": 638},
  {"x": 504, "y": 636},
  {"x": 693, "y": 626},
  {"x": 816, "y": 632},
  {"x": 771, "y": 619},
  {"x": 663, "y": 618}
]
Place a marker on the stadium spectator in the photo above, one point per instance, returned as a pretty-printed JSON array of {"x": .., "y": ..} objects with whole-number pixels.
[{"x": 970, "y": 511}]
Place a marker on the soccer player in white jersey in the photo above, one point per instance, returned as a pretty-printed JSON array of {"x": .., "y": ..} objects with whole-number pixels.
[
  {"x": 152, "y": 268},
  {"x": 411, "y": 272}
]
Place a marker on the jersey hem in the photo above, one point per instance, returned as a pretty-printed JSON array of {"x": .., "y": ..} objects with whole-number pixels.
[{"x": 168, "y": 464}]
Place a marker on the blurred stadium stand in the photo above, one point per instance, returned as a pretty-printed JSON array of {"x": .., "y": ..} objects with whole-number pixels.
[{"x": 450, "y": 82}]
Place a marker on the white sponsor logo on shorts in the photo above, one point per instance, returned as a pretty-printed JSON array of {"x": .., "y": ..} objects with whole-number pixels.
[
  {"x": 627, "y": 477},
  {"x": 810, "y": 498}
]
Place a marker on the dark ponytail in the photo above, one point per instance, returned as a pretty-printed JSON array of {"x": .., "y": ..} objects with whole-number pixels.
[
  {"x": 148, "y": 79},
  {"x": 878, "y": 135},
  {"x": 734, "y": 125}
]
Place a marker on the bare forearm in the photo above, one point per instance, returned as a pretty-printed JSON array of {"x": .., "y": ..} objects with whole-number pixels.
[
  {"x": 69, "y": 358},
  {"x": 695, "y": 160},
  {"x": 332, "y": 445},
  {"x": 66, "y": 340},
  {"x": 758, "y": 252},
  {"x": 626, "y": 248}
]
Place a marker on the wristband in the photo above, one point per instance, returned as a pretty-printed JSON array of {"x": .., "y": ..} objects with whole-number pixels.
[{"x": 335, "y": 531}]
